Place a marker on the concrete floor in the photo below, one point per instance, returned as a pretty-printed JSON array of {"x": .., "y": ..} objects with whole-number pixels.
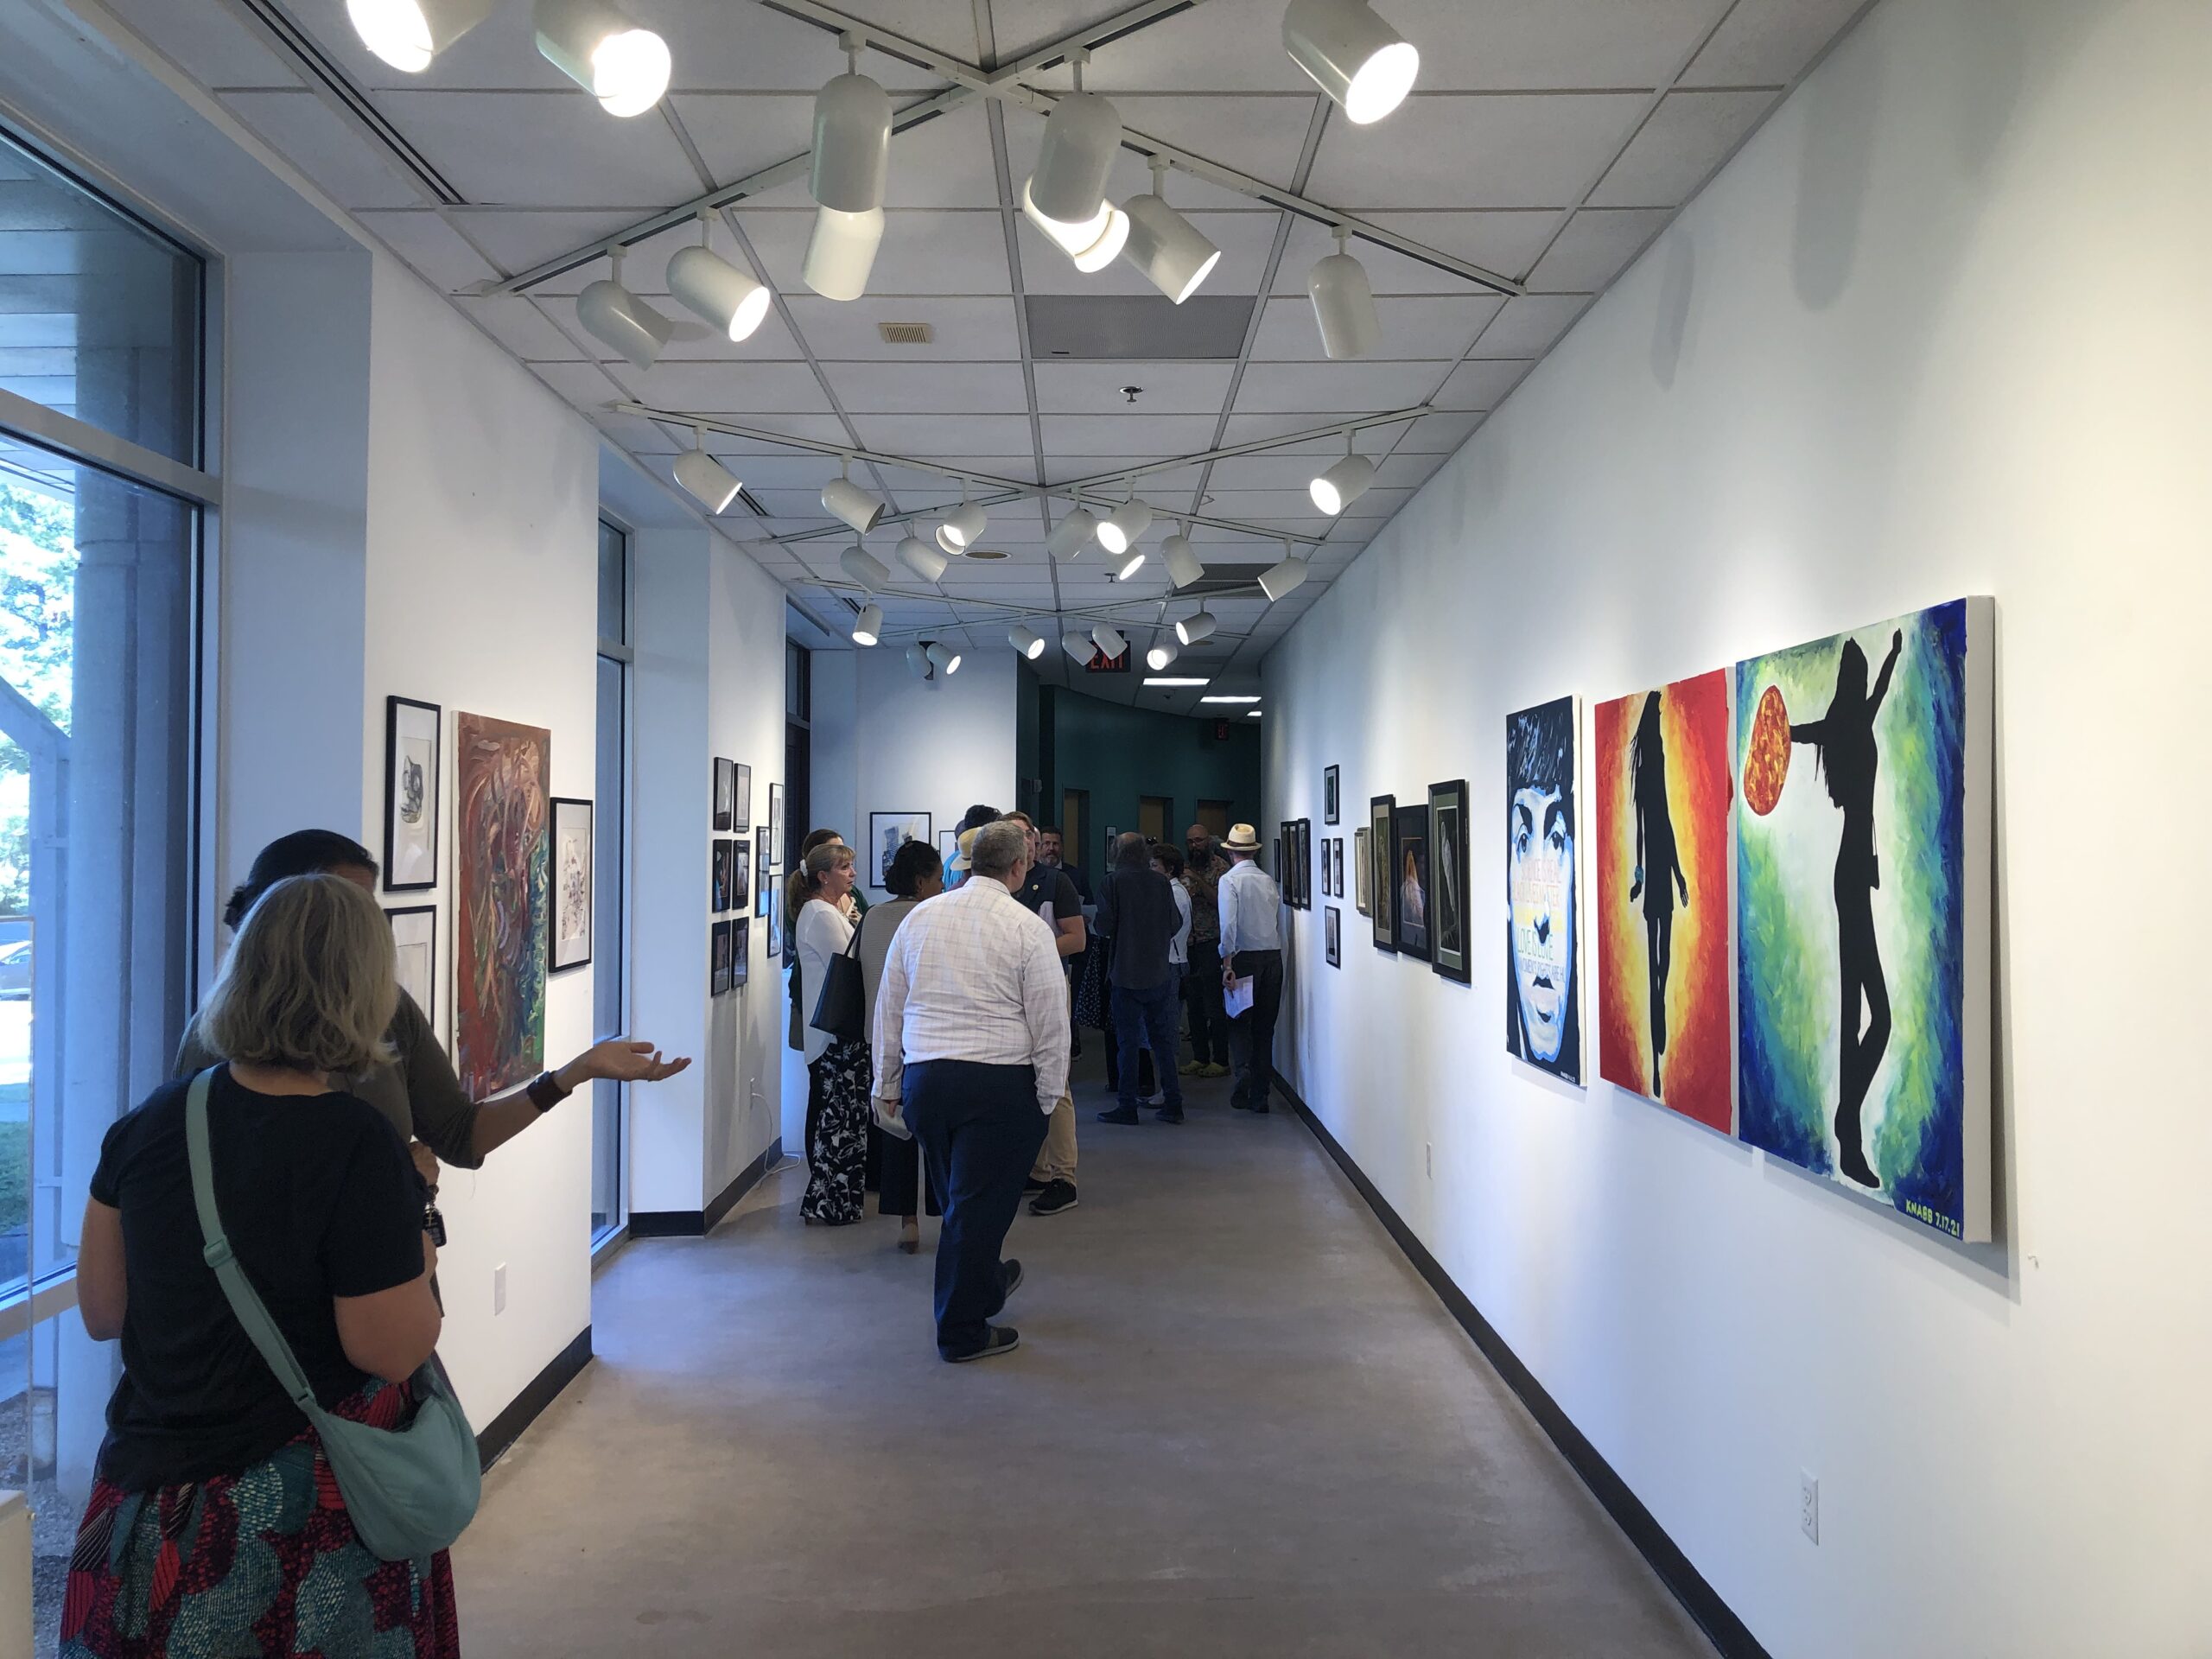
[{"x": 1238, "y": 1424}]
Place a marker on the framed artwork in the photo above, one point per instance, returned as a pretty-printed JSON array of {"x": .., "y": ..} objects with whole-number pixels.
[
  {"x": 1362, "y": 871},
  {"x": 740, "y": 951},
  {"x": 775, "y": 827},
  {"x": 948, "y": 849},
  {"x": 1325, "y": 888},
  {"x": 1334, "y": 930},
  {"x": 1450, "y": 953},
  {"x": 721, "y": 938},
  {"x": 761, "y": 879},
  {"x": 1328, "y": 795},
  {"x": 725, "y": 793},
  {"x": 502, "y": 902},
  {"x": 742, "y": 798},
  {"x": 740, "y": 875},
  {"x": 1864, "y": 871},
  {"x": 774, "y": 916},
  {"x": 886, "y": 833},
  {"x": 1380, "y": 813},
  {"x": 718, "y": 879},
  {"x": 1337, "y": 861},
  {"x": 572, "y": 883},
  {"x": 411, "y": 771},
  {"x": 1305, "y": 863},
  {"x": 415, "y": 942},
  {"x": 1660, "y": 906},
  {"x": 1275, "y": 863},
  {"x": 1543, "y": 976},
  {"x": 1411, "y": 861}
]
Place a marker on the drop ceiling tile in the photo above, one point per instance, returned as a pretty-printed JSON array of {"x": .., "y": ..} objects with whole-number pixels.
[
  {"x": 1022, "y": 468},
  {"x": 1375, "y": 503},
  {"x": 1209, "y": 48},
  {"x": 922, "y": 253},
  {"x": 1261, "y": 426},
  {"x": 1156, "y": 487},
  {"x": 1390, "y": 272},
  {"x": 929, "y": 388},
  {"x": 1268, "y": 507},
  {"x": 740, "y": 133},
  {"x": 437, "y": 253},
  {"x": 787, "y": 506},
  {"x": 587, "y": 385},
  {"x": 1529, "y": 325},
  {"x": 697, "y": 342},
  {"x": 1263, "y": 136},
  {"x": 519, "y": 237},
  {"x": 1246, "y": 240},
  {"x": 1770, "y": 43},
  {"x": 1481, "y": 382},
  {"x": 820, "y": 428},
  {"x": 208, "y": 43},
  {"x": 970, "y": 330},
  {"x": 1440, "y": 435},
  {"x": 1272, "y": 469},
  {"x": 518, "y": 325},
  {"x": 1427, "y": 327},
  {"x": 1358, "y": 388},
  {"x": 542, "y": 149},
  {"x": 1687, "y": 136},
  {"x": 639, "y": 436},
  {"x": 761, "y": 50},
  {"x": 1482, "y": 151},
  {"x": 907, "y": 434},
  {"x": 1530, "y": 44},
  {"x": 790, "y": 470},
  {"x": 1164, "y": 388},
  {"x": 1592, "y": 250},
  {"x": 1135, "y": 438},
  {"x": 783, "y": 388},
  {"x": 307, "y": 133}
]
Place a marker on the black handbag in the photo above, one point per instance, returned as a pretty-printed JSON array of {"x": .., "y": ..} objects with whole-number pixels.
[{"x": 842, "y": 1009}]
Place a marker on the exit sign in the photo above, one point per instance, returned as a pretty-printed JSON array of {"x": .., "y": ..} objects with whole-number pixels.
[{"x": 1100, "y": 663}]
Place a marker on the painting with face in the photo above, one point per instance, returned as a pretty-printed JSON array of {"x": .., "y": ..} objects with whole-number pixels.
[
  {"x": 1543, "y": 1014},
  {"x": 1410, "y": 869},
  {"x": 1862, "y": 924}
]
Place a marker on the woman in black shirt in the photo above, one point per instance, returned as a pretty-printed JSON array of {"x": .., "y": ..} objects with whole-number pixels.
[{"x": 214, "y": 1525}]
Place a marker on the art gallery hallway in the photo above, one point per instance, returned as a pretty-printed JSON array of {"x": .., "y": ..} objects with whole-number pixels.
[{"x": 1239, "y": 1424}]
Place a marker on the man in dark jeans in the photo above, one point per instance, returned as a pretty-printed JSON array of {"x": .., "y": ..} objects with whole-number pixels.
[
  {"x": 1251, "y": 948},
  {"x": 1202, "y": 988},
  {"x": 1137, "y": 910}
]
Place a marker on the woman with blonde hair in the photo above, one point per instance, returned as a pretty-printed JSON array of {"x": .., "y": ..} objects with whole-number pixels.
[
  {"x": 214, "y": 1525},
  {"x": 836, "y": 1068}
]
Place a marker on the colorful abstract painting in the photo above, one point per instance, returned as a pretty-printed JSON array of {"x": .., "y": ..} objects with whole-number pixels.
[
  {"x": 1664, "y": 917},
  {"x": 1862, "y": 850},
  {"x": 1543, "y": 961},
  {"x": 504, "y": 903}
]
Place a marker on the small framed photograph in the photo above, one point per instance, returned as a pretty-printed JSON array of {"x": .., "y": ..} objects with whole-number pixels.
[
  {"x": 572, "y": 883},
  {"x": 1327, "y": 890},
  {"x": 718, "y": 879},
  {"x": 725, "y": 793},
  {"x": 1329, "y": 795},
  {"x": 1363, "y": 872},
  {"x": 762, "y": 880},
  {"x": 774, "y": 916},
  {"x": 886, "y": 833},
  {"x": 948, "y": 849},
  {"x": 414, "y": 941},
  {"x": 411, "y": 763},
  {"x": 720, "y": 939},
  {"x": 1412, "y": 870},
  {"x": 1336, "y": 858},
  {"x": 741, "y": 876},
  {"x": 1448, "y": 862},
  {"x": 1382, "y": 846},
  {"x": 775, "y": 827},
  {"x": 740, "y": 951},
  {"x": 1335, "y": 931},
  {"x": 741, "y": 802}
]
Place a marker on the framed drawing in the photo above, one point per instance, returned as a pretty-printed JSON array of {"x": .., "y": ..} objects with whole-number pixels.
[
  {"x": 740, "y": 875},
  {"x": 1335, "y": 931},
  {"x": 741, "y": 802},
  {"x": 1411, "y": 859},
  {"x": 1451, "y": 955},
  {"x": 740, "y": 951},
  {"x": 774, "y": 916},
  {"x": 718, "y": 942},
  {"x": 1305, "y": 863},
  {"x": 1363, "y": 872},
  {"x": 725, "y": 793},
  {"x": 1328, "y": 795},
  {"x": 1327, "y": 890},
  {"x": 414, "y": 941},
  {"x": 775, "y": 827},
  {"x": 718, "y": 879},
  {"x": 572, "y": 883},
  {"x": 411, "y": 771},
  {"x": 502, "y": 902},
  {"x": 761, "y": 879},
  {"x": 1381, "y": 812},
  {"x": 1543, "y": 980},
  {"x": 1337, "y": 860},
  {"x": 886, "y": 833}
]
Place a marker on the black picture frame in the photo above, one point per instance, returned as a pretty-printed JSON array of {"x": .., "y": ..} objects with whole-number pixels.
[
  {"x": 1362, "y": 871},
  {"x": 741, "y": 876},
  {"x": 1382, "y": 814},
  {"x": 775, "y": 915},
  {"x": 725, "y": 795},
  {"x": 1334, "y": 931},
  {"x": 1451, "y": 928},
  {"x": 415, "y": 945},
  {"x": 561, "y": 954},
  {"x": 1338, "y": 860},
  {"x": 1409, "y": 841},
  {"x": 720, "y": 938},
  {"x": 719, "y": 880},
  {"x": 1305, "y": 863},
  {"x": 762, "y": 878},
  {"x": 776, "y": 848},
  {"x": 404, "y": 854},
  {"x": 740, "y": 952},
  {"x": 1329, "y": 802},
  {"x": 742, "y": 798}
]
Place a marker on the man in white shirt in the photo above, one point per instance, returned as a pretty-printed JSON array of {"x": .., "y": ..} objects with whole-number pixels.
[
  {"x": 1251, "y": 948},
  {"x": 971, "y": 1050}
]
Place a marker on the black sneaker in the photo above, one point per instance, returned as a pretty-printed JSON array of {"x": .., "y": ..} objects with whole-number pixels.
[
  {"x": 1011, "y": 1271},
  {"x": 997, "y": 1339},
  {"x": 1120, "y": 1114},
  {"x": 1033, "y": 1184},
  {"x": 1169, "y": 1114},
  {"x": 1057, "y": 1196}
]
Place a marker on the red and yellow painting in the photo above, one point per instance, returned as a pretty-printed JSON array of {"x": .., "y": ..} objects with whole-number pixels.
[{"x": 1660, "y": 773}]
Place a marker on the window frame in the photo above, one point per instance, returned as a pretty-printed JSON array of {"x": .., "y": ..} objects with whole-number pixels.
[{"x": 612, "y": 1237}]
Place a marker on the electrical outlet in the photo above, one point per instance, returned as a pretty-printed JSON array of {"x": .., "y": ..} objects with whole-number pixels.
[
  {"x": 499, "y": 1288},
  {"x": 1808, "y": 1505},
  {"x": 1428, "y": 1158}
]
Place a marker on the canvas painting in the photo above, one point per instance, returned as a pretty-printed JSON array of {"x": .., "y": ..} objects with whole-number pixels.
[
  {"x": 502, "y": 903},
  {"x": 1382, "y": 842},
  {"x": 572, "y": 883},
  {"x": 1452, "y": 951},
  {"x": 1661, "y": 906},
  {"x": 410, "y": 795},
  {"x": 1410, "y": 867},
  {"x": 1862, "y": 916},
  {"x": 886, "y": 833},
  {"x": 1543, "y": 982},
  {"x": 415, "y": 944}
]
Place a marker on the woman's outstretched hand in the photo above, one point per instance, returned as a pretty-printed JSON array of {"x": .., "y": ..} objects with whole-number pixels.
[{"x": 625, "y": 1061}]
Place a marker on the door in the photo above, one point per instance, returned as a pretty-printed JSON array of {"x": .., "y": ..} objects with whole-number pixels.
[
  {"x": 1075, "y": 824},
  {"x": 1151, "y": 816},
  {"x": 1214, "y": 814}
]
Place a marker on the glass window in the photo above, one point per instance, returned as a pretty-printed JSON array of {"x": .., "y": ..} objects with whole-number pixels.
[
  {"x": 610, "y": 820},
  {"x": 798, "y": 680},
  {"x": 99, "y": 313}
]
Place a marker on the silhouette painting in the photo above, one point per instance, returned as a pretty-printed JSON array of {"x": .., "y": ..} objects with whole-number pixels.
[
  {"x": 503, "y": 905},
  {"x": 1543, "y": 989},
  {"x": 1862, "y": 851},
  {"x": 1660, "y": 773}
]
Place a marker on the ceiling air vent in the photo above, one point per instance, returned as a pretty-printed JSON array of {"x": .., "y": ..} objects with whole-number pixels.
[{"x": 905, "y": 333}]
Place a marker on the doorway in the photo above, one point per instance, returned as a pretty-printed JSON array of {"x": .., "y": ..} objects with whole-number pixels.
[
  {"x": 1151, "y": 816},
  {"x": 1074, "y": 822},
  {"x": 1214, "y": 814}
]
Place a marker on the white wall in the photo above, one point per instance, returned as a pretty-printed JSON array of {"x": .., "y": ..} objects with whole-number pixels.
[{"x": 1940, "y": 329}]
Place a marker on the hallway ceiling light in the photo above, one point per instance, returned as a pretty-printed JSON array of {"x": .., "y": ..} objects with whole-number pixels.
[
  {"x": 1184, "y": 567},
  {"x": 1080, "y": 646},
  {"x": 408, "y": 34},
  {"x": 1251, "y": 714},
  {"x": 1351, "y": 54},
  {"x": 614, "y": 316},
  {"x": 867, "y": 627},
  {"x": 1070, "y": 535},
  {"x": 1065, "y": 197},
  {"x": 1027, "y": 641},
  {"x": 918, "y": 556},
  {"x": 863, "y": 566},
  {"x": 1228, "y": 699},
  {"x": 1174, "y": 254},
  {"x": 1162, "y": 653},
  {"x": 1108, "y": 640},
  {"x": 1125, "y": 565},
  {"x": 1344, "y": 483},
  {"x": 963, "y": 527},
  {"x": 918, "y": 660},
  {"x": 946, "y": 659},
  {"x": 1127, "y": 523},
  {"x": 1343, "y": 304},
  {"x": 842, "y": 252},
  {"x": 1198, "y": 625},
  {"x": 1151, "y": 679},
  {"x": 710, "y": 286},
  {"x": 712, "y": 484},
  {"x": 847, "y": 501},
  {"x": 596, "y": 46},
  {"x": 1284, "y": 578},
  {"x": 851, "y": 164}
]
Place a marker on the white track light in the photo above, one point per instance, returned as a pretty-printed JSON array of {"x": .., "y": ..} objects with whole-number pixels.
[
  {"x": 1344, "y": 483},
  {"x": 726, "y": 297},
  {"x": 1027, "y": 641},
  {"x": 712, "y": 484},
  {"x": 1198, "y": 625},
  {"x": 842, "y": 252},
  {"x": 1343, "y": 304},
  {"x": 1283, "y": 578},
  {"x": 918, "y": 660},
  {"x": 1351, "y": 54},
  {"x": 1183, "y": 564},
  {"x": 1109, "y": 641},
  {"x": 1128, "y": 522},
  {"x": 863, "y": 566},
  {"x": 867, "y": 627},
  {"x": 918, "y": 556},
  {"x": 596, "y": 46},
  {"x": 1068, "y": 536},
  {"x": 1125, "y": 565},
  {"x": 946, "y": 659},
  {"x": 408, "y": 34},
  {"x": 1081, "y": 136},
  {"x": 1081, "y": 646},
  {"x": 1174, "y": 254},
  {"x": 964, "y": 527},
  {"x": 852, "y": 144},
  {"x": 1160, "y": 656},
  {"x": 848, "y": 501},
  {"x": 611, "y": 314}
]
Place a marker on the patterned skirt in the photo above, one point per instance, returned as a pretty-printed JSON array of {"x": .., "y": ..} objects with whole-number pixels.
[
  {"x": 263, "y": 1564},
  {"x": 836, "y": 1139}
]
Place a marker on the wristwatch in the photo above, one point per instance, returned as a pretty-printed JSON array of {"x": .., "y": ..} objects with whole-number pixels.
[{"x": 545, "y": 1091}]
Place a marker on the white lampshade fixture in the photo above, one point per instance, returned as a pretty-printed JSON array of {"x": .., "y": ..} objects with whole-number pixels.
[
  {"x": 1344, "y": 483},
  {"x": 867, "y": 627},
  {"x": 945, "y": 657},
  {"x": 712, "y": 484},
  {"x": 845, "y": 499},
  {"x": 1081, "y": 646},
  {"x": 408, "y": 34},
  {"x": 1125, "y": 565},
  {"x": 1351, "y": 54},
  {"x": 918, "y": 556},
  {"x": 1065, "y": 197},
  {"x": 1198, "y": 625},
  {"x": 1068, "y": 536},
  {"x": 1122, "y": 527},
  {"x": 918, "y": 660},
  {"x": 614, "y": 316},
  {"x": 863, "y": 566},
  {"x": 1094, "y": 244},
  {"x": 1027, "y": 641},
  {"x": 1174, "y": 254},
  {"x": 963, "y": 526},
  {"x": 1161, "y": 654},
  {"x": 1284, "y": 578},
  {"x": 1104, "y": 637},
  {"x": 851, "y": 164},
  {"x": 1184, "y": 567},
  {"x": 1343, "y": 304},
  {"x": 715, "y": 290},
  {"x": 842, "y": 252},
  {"x": 599, "y": 47}
]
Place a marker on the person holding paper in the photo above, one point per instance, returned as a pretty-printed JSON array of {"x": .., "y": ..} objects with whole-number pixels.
[{"x": 1251, "y": 950}]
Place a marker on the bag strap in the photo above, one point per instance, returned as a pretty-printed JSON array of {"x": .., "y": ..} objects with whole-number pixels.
[{"x": 245, "y": 1301}]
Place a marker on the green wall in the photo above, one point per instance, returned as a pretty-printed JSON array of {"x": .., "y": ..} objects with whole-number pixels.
[{"x": 1119, "y": 753}]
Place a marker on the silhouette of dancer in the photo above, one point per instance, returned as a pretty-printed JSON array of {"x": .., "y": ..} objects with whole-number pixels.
[
  {"x": 1658, "y": 868},
  {"x": 1845, "y": 739}
]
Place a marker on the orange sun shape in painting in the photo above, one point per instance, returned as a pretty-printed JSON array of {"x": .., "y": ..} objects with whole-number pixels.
[{"x": 1767, "y": 764}]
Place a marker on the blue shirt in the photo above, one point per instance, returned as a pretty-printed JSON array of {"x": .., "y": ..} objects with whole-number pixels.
[{"x": 1251, "y": 910}]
